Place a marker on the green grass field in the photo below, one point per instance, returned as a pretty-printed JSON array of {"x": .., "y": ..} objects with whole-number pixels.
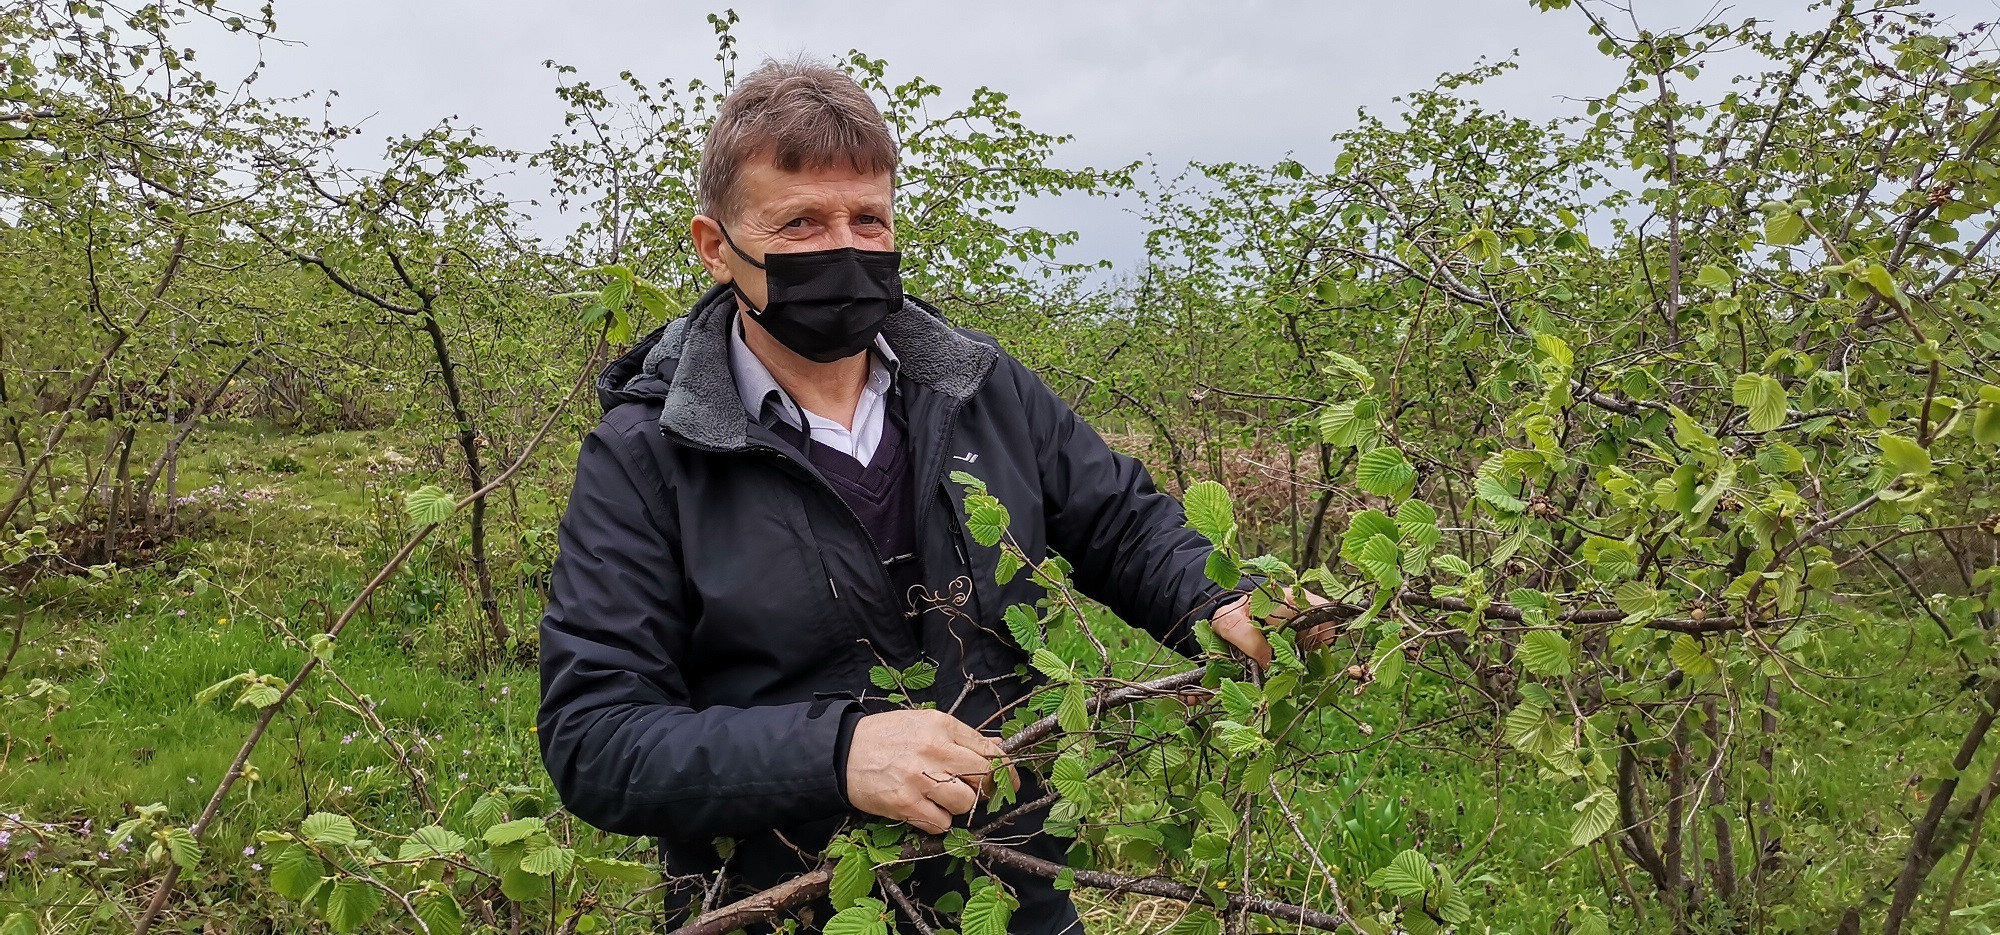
[{"x": 102, "y": 716}]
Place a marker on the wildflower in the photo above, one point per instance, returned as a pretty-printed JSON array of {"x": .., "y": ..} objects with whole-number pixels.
[
  {"x": 461, "y": 777},
  {"x": 252, "y": 849},
  {"x": 503, "y": 689},
  {"x": 347, "y": 788},
  {"x": 256, "y": 866},
  {"x": 6, "y": 836},
  {"x": 181, "y": 612},
  {"x": 222, "y": 620},
  {"x": 532, "y": 729}
]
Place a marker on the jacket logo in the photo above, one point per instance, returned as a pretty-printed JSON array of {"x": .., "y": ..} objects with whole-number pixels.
[{"x": 967, "y": 457}]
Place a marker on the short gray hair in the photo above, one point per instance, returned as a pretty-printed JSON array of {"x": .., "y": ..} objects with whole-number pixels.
[{"x": 800, "y": 114}]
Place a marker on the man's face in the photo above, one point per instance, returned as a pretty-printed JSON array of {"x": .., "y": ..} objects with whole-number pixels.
[{"x": 796, "y": 212}]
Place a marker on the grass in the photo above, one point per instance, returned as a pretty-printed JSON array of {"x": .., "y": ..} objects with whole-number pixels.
[{"x": 297, "y": 521}]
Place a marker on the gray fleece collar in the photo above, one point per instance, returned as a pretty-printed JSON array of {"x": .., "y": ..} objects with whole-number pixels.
[{"x": 702, "y": 404}]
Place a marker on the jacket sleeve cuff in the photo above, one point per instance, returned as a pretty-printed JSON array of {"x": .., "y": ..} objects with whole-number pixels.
[{"x": 848, "y": 718}]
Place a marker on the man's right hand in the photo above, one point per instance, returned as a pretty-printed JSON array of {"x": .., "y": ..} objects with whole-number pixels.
[{"x": 918, "y": 766}]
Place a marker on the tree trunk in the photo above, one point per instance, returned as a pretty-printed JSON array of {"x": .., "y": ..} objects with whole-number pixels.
[{"x": 468, "y": 443}]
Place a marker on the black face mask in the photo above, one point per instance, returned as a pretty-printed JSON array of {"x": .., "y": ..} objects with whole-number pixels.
[{"x": 825, "y": 305}]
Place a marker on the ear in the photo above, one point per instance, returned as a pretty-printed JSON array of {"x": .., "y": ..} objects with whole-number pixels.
[{"x": 706, "y": 233}]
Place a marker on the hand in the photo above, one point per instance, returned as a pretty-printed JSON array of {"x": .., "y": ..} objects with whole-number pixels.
[
  {"x": 1234, "y": 625},
  {"x": 918, "y": 766}
]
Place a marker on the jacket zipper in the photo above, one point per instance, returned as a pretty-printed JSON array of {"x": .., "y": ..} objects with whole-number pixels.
[{"x": 873, "y": 547}]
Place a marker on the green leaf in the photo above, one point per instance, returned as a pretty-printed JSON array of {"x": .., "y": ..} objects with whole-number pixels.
[
  {"x": 1216, "y": 812},
  {"x": 1986, "y": 421},
  {"x": 517, "y": 830},
  {"x": 865, "y": 917},
  {"x": 1688, "y": 657},
  {"x": 1352, "y": 369},
  {"x": 1714, "y": 277},
  {"x": 440, "y": 911},
  {"x": 624, "y": 871},
  {"x": 1497, "y": 496},
  {"x": 1073, "y": 714},
  {"x": 1349, "y": 425},
  {"x": 486, "y": 811},
  {"x": 1586, "y": 919},
  {"x": 1048, "y": 663},
  {"x": 429, "y": 505},
  {"x": 546, "y": 858},
  {"x": 1639, "y": 602},
  {"x": 1025, "y": 626},
  {"x": 1528, "y": 727},
  {"x": 1070, "y": 778},
  {"x": 1384, "y": 472},
  {"x": 1366, "y": 525},
  {"x": 295, "y": 871},
  {"x": 182, "y": 847},
  {"x": 1239, "y": 701},
  {"x": 1784, "y": 228},
  {"x": 987, "y": 912},
  {"x": 1546, "y": 653},
  {"x": 968, "y": 481},
  {"x": 986, "y": 519},
  {"x": 853, "y": 878},
  {"x": 1007, "y": 566},
  {"x": 521, "y": 886},
  {"x": 920, "y": 676},
  {"x": 1378, "y": 557},
  {"x": 20, "y": 923},
  {"x": 1209, "y": 512},
  {"x": 1408, "y": 875},
  {"x": 1595, "y": 815},
  {"x": 1906, "y": 456},
  {"x": 1775, "y": 457},
  {"x": 1765, "y": 397},
  {"x": 351, "y": 903},
  {"x": 328, "y": 828},
  {"x": 882, "y": 677},
  {"x": 432, "y": 841},
  {"x": 1222, "y": 569}
]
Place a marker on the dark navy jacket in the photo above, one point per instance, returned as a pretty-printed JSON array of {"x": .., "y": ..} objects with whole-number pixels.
[{"x": 716, "y": 607}]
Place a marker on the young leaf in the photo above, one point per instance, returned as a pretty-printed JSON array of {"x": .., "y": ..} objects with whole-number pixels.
[
  {"x": 1025, "y": 626},
  {"x": 182, "y": 847},
  {"x": 853, "y": 878},
  {"x": 431, "y": 841},
  {"x": 351, "y": 903},
  {"x": 1688, "y": 657},
  {"x": 882, "y": 677},
  {"x": 1073, "y": 715},
  {"x": 545, "y": 857},
  {"x": 520, "y": 829},
  {"x": 986, "y": 519},
  {"x": 1222, "y": 569},
  {"x": 987, "y": 912},
  {"x": 1384, "y": 472},
  {"x": 1765, "y": 397},
  {"x": 1546, "y": 653},
  {"x": 428, "y": 505},
  {"x": 968, "y": 481},
  {"x": 1408, "y": 875},
  {"x": 440, "y": 911},
  {"x": 1070, "y": 778},
  {"x": 1209, "y": 512},
  {"x": 295, "y": 871},
  {"x": 1595, "y": 815},
  {"x": 328, "y": 828},
  {"x": 1906, "y": 456},
  {"x": 1497, "y": 496}
]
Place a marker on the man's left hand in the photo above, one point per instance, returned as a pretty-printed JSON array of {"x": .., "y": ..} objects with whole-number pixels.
[{"x": 1234, "y": 625}]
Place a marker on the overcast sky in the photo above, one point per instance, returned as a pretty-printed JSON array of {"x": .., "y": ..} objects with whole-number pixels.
[{"x": 1129, "y": 79}]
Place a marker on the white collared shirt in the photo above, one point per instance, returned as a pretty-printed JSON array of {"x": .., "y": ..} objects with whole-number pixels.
[{"x": 755, "y": 385}]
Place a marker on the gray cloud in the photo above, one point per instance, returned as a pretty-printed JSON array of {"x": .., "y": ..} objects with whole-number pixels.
[{"x": 1129, "y": 79}]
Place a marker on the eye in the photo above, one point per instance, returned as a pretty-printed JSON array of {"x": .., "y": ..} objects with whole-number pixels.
[
  {"x": 798, "y": 222},
  {"x": 871, "y": 219}
]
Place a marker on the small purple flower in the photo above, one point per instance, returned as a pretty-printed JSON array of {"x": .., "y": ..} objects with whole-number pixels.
[
  {"x": 256, "y": 866},
  {"x": 503, "y": 689},
  {"x": 252, "y": 849},
  {"x": 181, "y": 612},
  {"x": 5, "y": 837}
]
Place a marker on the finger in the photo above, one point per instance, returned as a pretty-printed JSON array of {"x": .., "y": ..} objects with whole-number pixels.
[
  {"x": 965, "y": 736},
  {"x": 969, "y": 765},
  {"x": 1244, "y": 636},
  {"x": 927, "y": 817},
  {"x": 952, "y": 795}
]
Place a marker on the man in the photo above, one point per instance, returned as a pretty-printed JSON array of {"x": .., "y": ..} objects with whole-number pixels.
[{"x": 763, "y": 515}]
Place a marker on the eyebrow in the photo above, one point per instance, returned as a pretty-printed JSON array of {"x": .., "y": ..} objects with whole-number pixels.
[{"x": 794, "y": 207}]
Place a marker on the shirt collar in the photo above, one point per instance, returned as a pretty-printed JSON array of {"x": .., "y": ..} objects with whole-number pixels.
[{"x": 761, "y": 393}]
